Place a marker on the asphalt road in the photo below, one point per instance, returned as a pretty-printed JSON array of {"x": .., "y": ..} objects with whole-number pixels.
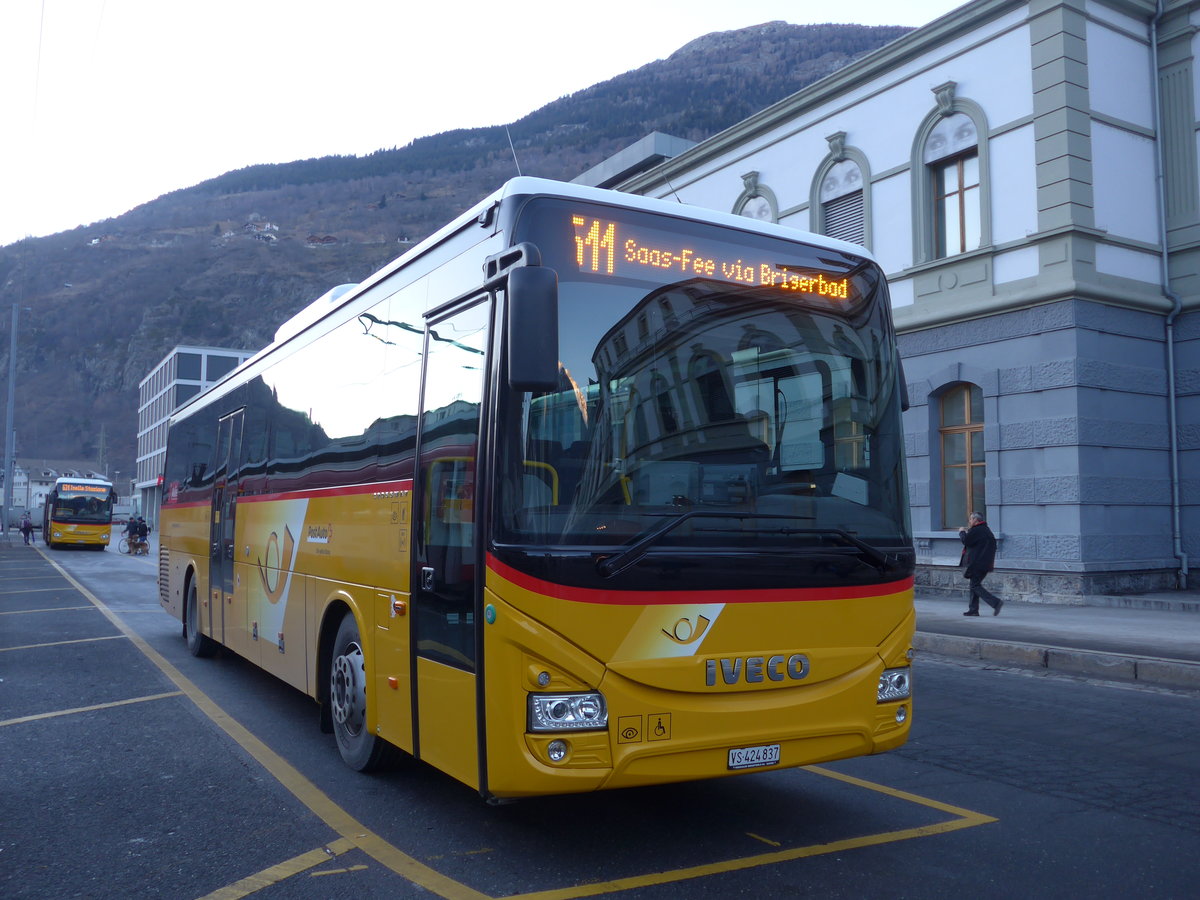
[{"x": 131, "y": 769}]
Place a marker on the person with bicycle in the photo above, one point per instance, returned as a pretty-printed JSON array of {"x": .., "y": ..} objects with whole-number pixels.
[
  {"x": 130, "y": 533},
  {"x": 143, "y": 535}
]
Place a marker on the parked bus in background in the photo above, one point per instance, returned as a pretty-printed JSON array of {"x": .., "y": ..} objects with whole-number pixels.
[
  {"x": 79, "y": 512},
  {"x": 585, "y": 491}
]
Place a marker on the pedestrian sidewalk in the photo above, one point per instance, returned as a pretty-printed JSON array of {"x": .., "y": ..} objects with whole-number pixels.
[{"x": 1149, "y": 639}]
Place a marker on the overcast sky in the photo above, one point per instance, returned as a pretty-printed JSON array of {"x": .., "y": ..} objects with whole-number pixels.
[{"x": 110, "y": 103}]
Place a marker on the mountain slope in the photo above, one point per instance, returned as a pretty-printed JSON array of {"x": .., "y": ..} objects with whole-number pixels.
[{"x": 224, "y": 262}]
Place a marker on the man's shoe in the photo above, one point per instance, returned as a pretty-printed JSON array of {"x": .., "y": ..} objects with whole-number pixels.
[
  {"x": 969, "y": 613},
  {"x": 996, "y": 611}
]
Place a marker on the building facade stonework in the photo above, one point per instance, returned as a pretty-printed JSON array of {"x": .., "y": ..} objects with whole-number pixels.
[{"x": 1026, "y": 172}]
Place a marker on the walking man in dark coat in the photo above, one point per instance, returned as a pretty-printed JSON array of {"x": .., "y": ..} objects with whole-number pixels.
[{"x": 979, "y": 553}]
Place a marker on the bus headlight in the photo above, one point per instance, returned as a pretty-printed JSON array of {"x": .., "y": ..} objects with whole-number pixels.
[
  {"x": 567, "y": 712},
  {"x": 894, "y": 684}
]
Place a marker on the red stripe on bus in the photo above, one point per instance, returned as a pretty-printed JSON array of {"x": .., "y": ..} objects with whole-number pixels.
[{"x": 664, "y": 598}]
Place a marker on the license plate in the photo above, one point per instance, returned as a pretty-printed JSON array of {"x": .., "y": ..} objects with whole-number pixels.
[{"x": 753, "y": 757}]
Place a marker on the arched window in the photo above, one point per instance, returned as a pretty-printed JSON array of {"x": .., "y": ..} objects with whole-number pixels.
[
  {"x": 952, "y": 157},
  {"x": 961, "y": 436},
  {"x": 951, "y": 197},
  {"x": 843, "y": 212},
  {"x": 839, "y": 199},
  {"x": 756, "y": 201}
]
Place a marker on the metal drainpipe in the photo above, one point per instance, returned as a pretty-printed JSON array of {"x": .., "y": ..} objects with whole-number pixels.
[{"x": 1176, "y": 302}]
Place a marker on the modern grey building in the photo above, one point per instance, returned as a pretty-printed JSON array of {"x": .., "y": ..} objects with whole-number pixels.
[
  {"x": 182, "y": 373},
  {"x": 1026, "y": 172}
]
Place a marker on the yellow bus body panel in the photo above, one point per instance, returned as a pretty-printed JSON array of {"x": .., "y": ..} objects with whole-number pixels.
[
  {"x": 448, "y": 726},
  {"x": 665, "y": 722},
  {"x": 295, "y": 558},
  {"x": 62, "y": 533}
]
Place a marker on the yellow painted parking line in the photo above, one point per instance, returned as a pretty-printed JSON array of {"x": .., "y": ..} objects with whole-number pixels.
[
  {"x": 965, "y": 819},
  {"x": 83, "y": 709},
  {"x": 976, "y": 818},
  {"x": 288, "y": 775},
  {"x": 759, "y": 837},
  {"x": 283, "y": 871},
  {"x": 107, "y": 637},
  {"x": 345, "y": 871}
]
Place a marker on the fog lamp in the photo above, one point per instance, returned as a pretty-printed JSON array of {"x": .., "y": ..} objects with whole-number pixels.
[
  {"x": 901, "y": 714},
  {"x": 556, "y": 750}
]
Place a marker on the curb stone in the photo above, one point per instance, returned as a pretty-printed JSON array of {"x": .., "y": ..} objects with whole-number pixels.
[{"x": 1087, "y": 663}]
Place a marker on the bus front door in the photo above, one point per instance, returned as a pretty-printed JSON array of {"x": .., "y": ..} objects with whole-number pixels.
[
  {"x": 224, "y": 512},
  {"x": 445, "y": 572}
]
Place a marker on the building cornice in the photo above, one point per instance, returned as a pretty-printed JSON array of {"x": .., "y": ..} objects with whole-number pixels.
[{"x": 861, "y": 72}]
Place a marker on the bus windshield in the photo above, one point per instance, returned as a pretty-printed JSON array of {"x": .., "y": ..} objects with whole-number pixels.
[
  {"x": 723, "y": 408},
  {"x": 82, "y": 504}
]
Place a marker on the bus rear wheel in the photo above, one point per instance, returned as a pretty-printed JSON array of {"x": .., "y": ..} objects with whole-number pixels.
[
  {"x": 197, "y": 643},
  {"x": 360, "y": 749}
]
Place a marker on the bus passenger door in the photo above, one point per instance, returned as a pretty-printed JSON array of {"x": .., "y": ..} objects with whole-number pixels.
[
  {"x": 224, "y": 512},
  {"x": 445, "y": 573}
]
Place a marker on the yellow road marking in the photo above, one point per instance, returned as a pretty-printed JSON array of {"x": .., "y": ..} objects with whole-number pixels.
[
  {"x": 759, "y": 837},
  {"x": 283, "y": 871},
  {"x": 83, "y": 709},
  {"x": 904, "y": 795},
  {"x": 107, "y": 637},
  {"x": 966, "y": 819},
  {"x": 357, "y": 868},
  {"x": 287, "y": 775}
]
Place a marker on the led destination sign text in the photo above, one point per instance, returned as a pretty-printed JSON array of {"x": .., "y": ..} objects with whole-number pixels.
[
  {"x": 599, "y": 249},
  {"x": 84, "y": 488}
]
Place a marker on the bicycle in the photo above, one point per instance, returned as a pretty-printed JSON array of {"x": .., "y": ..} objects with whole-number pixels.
[{"x": 136, "y": 547}]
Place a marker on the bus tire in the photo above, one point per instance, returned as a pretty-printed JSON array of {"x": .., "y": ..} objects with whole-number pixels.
[
  {"x": 198, "y": 644},
  {"x": 360, "y": 750}
]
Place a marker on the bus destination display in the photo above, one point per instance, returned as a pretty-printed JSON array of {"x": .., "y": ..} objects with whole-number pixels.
[
  {"x": 102, "y": 489},
  {"x": 604, "y": 247}
]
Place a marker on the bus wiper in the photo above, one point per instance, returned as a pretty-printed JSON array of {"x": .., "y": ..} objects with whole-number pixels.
[
  {"x": 873, "y": 555},
  {"x": 619, "y": 562}
]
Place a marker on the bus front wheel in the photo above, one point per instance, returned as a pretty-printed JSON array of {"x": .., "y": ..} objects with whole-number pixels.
[
  {"x": 360, "y": 749},
  {"x": 197, "y": 643}
]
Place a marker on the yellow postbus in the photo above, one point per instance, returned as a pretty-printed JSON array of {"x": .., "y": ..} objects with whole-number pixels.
[
  {"x": 585, "y": 491},
  {"x": 78, "y": 511}
]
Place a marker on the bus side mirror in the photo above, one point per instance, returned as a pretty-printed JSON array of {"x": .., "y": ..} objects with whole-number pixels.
[{"x": 533, "y": 329}]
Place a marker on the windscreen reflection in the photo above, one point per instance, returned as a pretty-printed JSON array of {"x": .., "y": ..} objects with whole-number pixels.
[{"x": 761, "y": 419}]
